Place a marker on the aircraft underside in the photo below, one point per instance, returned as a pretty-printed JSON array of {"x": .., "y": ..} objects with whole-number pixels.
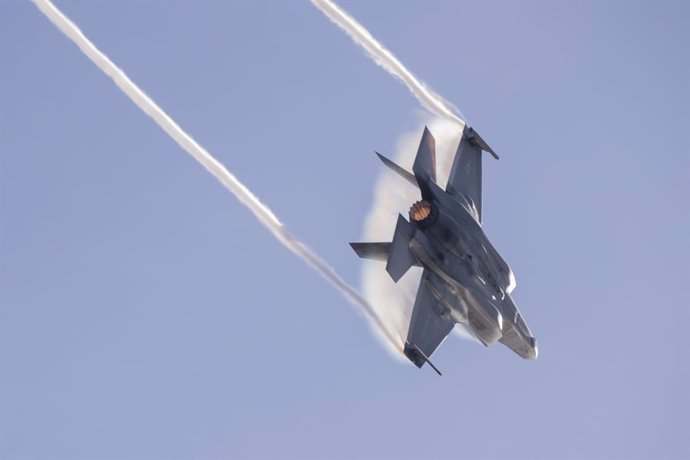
[{"x": 465, "y": 280}]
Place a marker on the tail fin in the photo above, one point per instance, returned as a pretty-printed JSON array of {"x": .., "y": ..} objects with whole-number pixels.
[
  {"x": 375, "y": 251},
  {"x": 400, "y": 259},
  {"x": 424, "y": 167},
  {"x": 397, "y": 254}
]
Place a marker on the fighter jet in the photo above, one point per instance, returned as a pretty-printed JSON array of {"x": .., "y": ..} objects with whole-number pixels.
[{"x": 465, "y": 280}]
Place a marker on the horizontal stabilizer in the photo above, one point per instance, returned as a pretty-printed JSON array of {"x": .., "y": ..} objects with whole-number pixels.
[
  {"x": 408, "y": 176},
  {"x": 375, "y": 251},
  {"x": 400, "y": 259}
]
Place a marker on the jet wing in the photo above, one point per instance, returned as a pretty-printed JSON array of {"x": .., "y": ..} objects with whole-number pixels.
[
  {"x": 465, "y": 179},
  {"x": 429, "y": 325}
]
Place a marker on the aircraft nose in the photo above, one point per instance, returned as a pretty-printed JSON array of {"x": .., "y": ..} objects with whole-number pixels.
[{"x": 533, "y": 351}]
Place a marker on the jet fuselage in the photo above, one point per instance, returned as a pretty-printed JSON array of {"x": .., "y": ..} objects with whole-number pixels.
[
  {"x": 464, "y": 279},
  {"x": 470, "y": 281}
]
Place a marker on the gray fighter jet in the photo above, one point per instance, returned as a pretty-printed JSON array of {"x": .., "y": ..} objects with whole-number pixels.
[{"x": 464, "y": 280}]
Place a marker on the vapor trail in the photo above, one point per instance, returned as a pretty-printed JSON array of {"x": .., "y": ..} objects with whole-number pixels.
[
  {"x": 243, "y": 194},
  {"x": 379, "y": 54}
]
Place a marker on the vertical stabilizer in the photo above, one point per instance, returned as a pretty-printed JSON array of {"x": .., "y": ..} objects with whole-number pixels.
[
  {"x": 424, "y": 167},
  {"x": 400, "y": 259}
]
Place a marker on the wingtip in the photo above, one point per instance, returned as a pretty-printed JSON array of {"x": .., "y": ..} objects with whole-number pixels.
[
  {"x": 477, "y": 140},
  {"x": 418, "y": 358},
  {"x": 357, "y": 247}
]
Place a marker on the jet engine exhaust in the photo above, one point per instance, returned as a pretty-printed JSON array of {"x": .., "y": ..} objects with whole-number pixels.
[
  {"x": 420, "y": 211},
  {"x": 262, "y": 213}
]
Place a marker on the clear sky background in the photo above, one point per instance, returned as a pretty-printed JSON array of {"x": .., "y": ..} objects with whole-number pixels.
[{"x": 144, "y": 313}]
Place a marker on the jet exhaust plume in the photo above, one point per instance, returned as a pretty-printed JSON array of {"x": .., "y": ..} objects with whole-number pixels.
[
  {"x": 241, "y": 192},
  {"x": 384, "y": 58}
]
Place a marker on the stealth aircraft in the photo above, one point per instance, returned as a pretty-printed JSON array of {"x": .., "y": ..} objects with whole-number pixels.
[{"x": 465, "y": 280}]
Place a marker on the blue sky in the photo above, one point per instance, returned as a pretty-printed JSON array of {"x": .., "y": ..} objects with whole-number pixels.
[{"x": 144, "y": 313}]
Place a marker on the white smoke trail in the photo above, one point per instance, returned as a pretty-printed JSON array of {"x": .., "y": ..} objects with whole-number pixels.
[
  {"x": 246, "y": 197},
  {"x": 381, "y": 56}
]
